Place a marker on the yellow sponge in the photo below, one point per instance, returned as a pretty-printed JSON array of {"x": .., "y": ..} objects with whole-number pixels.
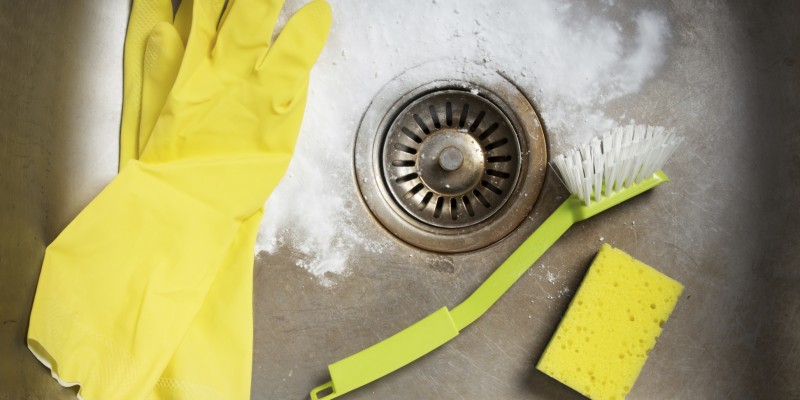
[{"x": 610, "y": 326}]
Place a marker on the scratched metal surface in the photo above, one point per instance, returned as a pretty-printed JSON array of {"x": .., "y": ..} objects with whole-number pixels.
[{"x": 724, "y": 226}]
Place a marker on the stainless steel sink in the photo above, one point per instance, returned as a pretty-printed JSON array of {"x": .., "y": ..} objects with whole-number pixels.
[{"x": 725, "y": 226}]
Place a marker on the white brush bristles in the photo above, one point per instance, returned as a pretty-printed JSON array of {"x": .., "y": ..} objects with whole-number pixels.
[{"x": 622, "y": 157}]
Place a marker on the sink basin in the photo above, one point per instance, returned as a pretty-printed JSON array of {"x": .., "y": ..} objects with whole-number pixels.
[{"x": 331, "y": 280}]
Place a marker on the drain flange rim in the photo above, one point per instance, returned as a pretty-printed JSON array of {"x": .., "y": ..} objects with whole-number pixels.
[{"x": 384, "y": 107}]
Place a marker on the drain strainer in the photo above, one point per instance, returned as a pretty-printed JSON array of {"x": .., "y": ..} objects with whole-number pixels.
[
  {"x": 451, "y": 159},
  {"x": 452, "y": 165}
]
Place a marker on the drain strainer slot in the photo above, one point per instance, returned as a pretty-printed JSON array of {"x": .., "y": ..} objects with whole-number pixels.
[
  {"x": 452, "y": 165},
  {"x": 451, "y": 159}
]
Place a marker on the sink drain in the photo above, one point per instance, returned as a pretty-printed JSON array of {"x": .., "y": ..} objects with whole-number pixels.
[
  {"x": 452, "y": 165},
  {"x": 451, "y": 159}
]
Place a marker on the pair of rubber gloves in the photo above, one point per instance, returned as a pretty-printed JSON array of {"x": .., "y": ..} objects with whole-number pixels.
[{"x": 147, "y": 294}]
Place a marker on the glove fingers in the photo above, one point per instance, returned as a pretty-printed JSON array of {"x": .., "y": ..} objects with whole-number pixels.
[
  {"x": 284, "y": 69},
  {"x": 144, "y": 15},
  {"x": 205, "y": 16},
  {"x": 246, "y": 33},
  {"x": 225, "y": 13},
  {"x": 183, "y": 19},
  {"x": 162, "y": 60}
]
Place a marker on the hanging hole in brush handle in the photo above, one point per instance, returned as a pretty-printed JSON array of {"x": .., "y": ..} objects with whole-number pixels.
[
  {"x": 388, "y": 355},
  {"x": 323, "y": 392}
]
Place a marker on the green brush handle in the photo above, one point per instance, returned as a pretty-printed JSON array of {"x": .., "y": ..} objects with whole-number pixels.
[
  {"x": 517, "y": 264},
  {"x": 569, "y": 212},
  {"x": 438, "y": 328}
]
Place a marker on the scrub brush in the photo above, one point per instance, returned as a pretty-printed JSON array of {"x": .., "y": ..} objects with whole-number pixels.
[{"x": 601, "y": 174}]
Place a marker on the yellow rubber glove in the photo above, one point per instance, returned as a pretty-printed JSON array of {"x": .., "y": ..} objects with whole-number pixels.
[
  {"x": 227, "y": 310},
  {"x": 145, "y": 15},
  {"x": 121, "y": 285},
  {"x": 152, "y": 30}
]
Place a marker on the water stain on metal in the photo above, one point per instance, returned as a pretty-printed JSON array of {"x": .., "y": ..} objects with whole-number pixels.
[{"x": 443, "y": 264}]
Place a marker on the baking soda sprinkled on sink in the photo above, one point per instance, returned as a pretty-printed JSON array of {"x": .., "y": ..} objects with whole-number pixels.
[
  {"x": 570, "y": 59},
  {"x": 551, "y": 277}
]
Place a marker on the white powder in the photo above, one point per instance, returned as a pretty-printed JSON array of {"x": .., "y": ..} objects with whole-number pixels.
[{"x": 569, "y": 58}]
